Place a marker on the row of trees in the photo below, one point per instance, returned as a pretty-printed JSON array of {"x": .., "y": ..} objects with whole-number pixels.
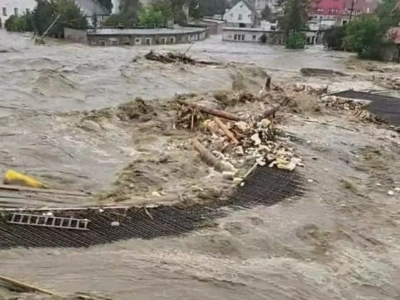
[
  {"x": 159, "y": 12},
  {"x": 131, "y": 13},
  {"x": 45, "y": 12},
  {"x": 367, "y": 35}
]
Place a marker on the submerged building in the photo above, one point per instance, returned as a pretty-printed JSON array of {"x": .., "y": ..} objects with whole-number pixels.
[{"x": 136, "y": 37}]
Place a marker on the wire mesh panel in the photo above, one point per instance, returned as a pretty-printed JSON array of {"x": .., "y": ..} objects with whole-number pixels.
[
  {"x": 386, "y": 107},
  {"x": 265, "y": 186}
]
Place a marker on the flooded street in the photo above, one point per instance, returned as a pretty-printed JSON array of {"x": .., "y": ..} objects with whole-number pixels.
[{"x": 339, "y": 241}]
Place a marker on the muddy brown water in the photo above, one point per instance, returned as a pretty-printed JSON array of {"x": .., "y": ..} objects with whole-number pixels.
[{"x": 332, "y": 243}]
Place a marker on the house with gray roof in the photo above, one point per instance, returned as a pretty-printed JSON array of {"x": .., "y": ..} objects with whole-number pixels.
[
  {"x": 243, "y": 14},
  {"x": 91, "y": 8}
]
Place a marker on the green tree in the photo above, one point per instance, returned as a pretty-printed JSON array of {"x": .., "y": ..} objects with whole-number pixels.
[
  {"x": 152, "y": 18},
  {"x": 334, "y": 37},
  {"x": 267, "y": 14},
  {"x": 46, "y": 12},
  {"x": 385, "y": 8},
  {"x": 172, "y": 10},
  {"x": 294, "y": 15},
  {"x": 21, "y": 23},
  {"x": 128, "y": 15},
  {"x": 293, "y": 20},
  {"x": 366, "y": 36},
  {"x": 296, "y": 40}
]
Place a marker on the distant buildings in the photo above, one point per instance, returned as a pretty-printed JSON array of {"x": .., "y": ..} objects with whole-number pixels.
[
  {"x": 17, "y": 7},
  {"x": 327, "y": 13}
]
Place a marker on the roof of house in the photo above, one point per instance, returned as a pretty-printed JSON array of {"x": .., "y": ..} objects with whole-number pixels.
[
  {"x": 342, "y": 7},
  {"x": 248, "y": 4},
  {"x": 92, "y": 7},
  {"x": 329, "y": 7}
]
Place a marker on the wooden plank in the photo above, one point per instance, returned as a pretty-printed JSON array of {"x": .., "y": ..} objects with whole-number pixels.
[
  {"x": 43, "y": 191},
  {"x": 25, "y": 288}
]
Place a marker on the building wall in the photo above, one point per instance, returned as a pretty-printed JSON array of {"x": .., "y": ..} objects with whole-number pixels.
[
  {"x": 75, "y": 35},
  {"x": 213, "y": 26},
  {"x": 143, "y": 39},
  {"x": 253, "y": 36},
  {"x": 240, "y": 14},
  {"x": 10, "y": 7}
]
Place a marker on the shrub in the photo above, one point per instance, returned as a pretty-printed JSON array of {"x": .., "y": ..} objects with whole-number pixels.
[
  {"x": 334, "y": 37},
  {"x": 296, "y": 40}
]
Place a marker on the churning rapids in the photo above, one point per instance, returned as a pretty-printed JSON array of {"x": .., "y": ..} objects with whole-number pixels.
[{"x": 331, "y": 243}]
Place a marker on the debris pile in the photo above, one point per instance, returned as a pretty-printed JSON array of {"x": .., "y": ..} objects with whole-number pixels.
[
  {"x": 229, "y": 141},
  {"x": 358, "y": 109},
  {"x": 391, "y": 83},
  {"x": 321, "y": 72},
  {"x": 170, "y": 58}
]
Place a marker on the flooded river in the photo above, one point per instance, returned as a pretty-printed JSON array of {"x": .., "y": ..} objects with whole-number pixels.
[{"x": 317, "y": 247}]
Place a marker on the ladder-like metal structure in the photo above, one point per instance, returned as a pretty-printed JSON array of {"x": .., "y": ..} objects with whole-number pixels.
[{"x": 49, "y": 221}]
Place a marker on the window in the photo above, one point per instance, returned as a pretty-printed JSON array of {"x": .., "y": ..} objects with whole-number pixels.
[
  {"x": 148, "y": 41},
  {"x": 240, "y": 17},
  {"x": 16, "y": 11},
  {"x": 163, "y": 41},
  {"x": 138, "y": 41},
  {"x": 5, "y": 11},
  {"x": 235, "y": 37},
  {"x": 254, "y": 37},
  {"x": 172, "y": 40}
]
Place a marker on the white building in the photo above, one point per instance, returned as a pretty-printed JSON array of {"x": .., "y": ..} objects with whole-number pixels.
[
  {"x": 243, "y": 14},
  {"x": 268, "y": 26},
  {"x": 14, "y": 7},
  {"x": 253, "y": 35}
]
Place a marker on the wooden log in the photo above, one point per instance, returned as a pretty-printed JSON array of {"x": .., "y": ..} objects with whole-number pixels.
[
  {"x": 25, "y": 288},
  {"x": 210, "y": 111},
  {"x": 268, "y": 84},
  {"x": 206, "y": 155},
  {"x": 43, "y": 191},
  {"x": 225, "y": 129}
]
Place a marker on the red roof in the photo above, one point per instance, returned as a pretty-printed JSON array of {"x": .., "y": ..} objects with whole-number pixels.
[
  {"x": 343, "y": 7},
  {"x": 329, "y": 7}
]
